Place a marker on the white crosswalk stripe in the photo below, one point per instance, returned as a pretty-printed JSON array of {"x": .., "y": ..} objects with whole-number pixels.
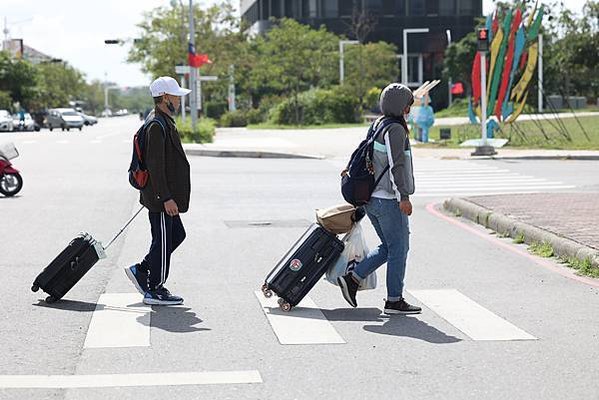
[{"x": 461, "y": 177}]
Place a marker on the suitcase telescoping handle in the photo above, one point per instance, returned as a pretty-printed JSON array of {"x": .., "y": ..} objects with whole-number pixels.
[{"x": 124, "y": 227}]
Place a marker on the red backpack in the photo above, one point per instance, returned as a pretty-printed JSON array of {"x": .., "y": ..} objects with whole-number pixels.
[{"x": 138, "y": 172}]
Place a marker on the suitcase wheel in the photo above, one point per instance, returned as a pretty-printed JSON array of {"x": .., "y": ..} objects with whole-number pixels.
[
  {"x": 280, "y": 301},
  {"x": 51, "y": 299},
  {"x": 285, "y": 306},
  {"x": 35, "y": 288},
  {"x": 266, "y": 291}
]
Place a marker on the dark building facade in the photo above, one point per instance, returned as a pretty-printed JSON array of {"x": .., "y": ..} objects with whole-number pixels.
[{"x": 425, "y": 50}]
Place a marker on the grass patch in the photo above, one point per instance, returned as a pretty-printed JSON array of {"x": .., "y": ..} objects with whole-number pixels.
[
  {"x": 543, "y": 249},
  {"x": 544, "y": 134},
  {"x": 267, "y": 125},
  {"x": 519, "y": 239},
  {"x": 204, "y": 130},
  {"x": 583, "y": 267},
  {"x": 458, "y": 108}
]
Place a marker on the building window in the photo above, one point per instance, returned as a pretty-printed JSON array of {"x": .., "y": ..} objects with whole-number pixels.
[
  {"x": 466, "y": 7},
  {"x": 374, "y": 7},
  {"x": 252, "y": 14},
  {"x": 392, "y": 8},
  {"x": 291, "y": 10},
  {"x": 415, "y": 69},
  {"x": 275, "y": 8},
  {"x": 346, "y": 8},
  {"x": 329, "y": 8},
  {"x": 416, "y": 8},
  {"x": 447, "y": 7},
  {"x": 313, "y": 10},
  {"x": 432, "y": 7}
]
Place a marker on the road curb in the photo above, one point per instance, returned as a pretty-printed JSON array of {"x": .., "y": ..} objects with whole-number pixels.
[
  {"x": 540, "y": 157},
  {"x": 511, "y": 227},
  {"x": 248, "y": 154}
]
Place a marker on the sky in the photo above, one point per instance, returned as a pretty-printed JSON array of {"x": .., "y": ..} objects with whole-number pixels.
[{"x": 74, "y": 30}]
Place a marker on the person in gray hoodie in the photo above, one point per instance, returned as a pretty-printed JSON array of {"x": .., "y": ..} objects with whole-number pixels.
[{"x": 390, "y": 206}]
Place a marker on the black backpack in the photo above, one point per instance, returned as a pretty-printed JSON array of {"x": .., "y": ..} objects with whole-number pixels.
[
  {"x": 138, "y": 172},
  {"x": 359, "y": 183}
]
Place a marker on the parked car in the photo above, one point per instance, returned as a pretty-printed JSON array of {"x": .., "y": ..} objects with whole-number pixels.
[
  {"x": 88, "y": 119},
  {"x": 106, "y": 113},
  {"x": 122, "y": 112},
  {"x": 64, "y": 118},
  {"x": 6, "y": 122},
  {"x": 25, "y": 124}
]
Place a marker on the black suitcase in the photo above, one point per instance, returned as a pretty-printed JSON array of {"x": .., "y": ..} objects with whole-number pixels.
[
  {"x": 72, "y": 264},
  {"x": 303, "y": 265},
  {"x": 69, "y": 267}
]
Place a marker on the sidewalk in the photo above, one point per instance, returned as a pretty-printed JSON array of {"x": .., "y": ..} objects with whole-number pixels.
[
  {"x": 338, "y": 142},
  {"x": 568, "y": 221}
]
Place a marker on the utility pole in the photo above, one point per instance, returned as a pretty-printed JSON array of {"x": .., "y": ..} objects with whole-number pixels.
[
  {"x": 483, "y": 149},
  {"x": 232, "y": 105},
  {"x": 193, "y": 101},
  {"x": 450, "y": 83},
  {"x": 540, "y": 74}
]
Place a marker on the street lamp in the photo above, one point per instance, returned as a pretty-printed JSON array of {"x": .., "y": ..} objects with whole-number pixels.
[
  {"x": 450, "y": 83},
  {"x": 404, "y": 61},
  {"x": 341, "y": 66}
]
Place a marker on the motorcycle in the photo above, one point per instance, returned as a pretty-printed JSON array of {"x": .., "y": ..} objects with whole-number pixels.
[{"x": 11, "y": 181}]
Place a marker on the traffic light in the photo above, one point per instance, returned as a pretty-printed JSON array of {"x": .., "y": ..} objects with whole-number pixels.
[{"x": 483, "y": 39}]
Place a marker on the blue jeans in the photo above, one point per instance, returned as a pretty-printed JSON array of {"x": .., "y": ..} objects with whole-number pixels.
[{"x": 393, "y": 229}]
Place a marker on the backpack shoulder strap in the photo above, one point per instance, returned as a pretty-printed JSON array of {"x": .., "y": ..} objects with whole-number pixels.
[
  {"x": 160, "y": 121},
  {"x": 383, "y": 124}
]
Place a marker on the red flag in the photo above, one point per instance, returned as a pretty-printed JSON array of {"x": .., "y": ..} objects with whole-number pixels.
[
  {"x": 197, "y": 60},
  {"x": 458, "y": 89}
]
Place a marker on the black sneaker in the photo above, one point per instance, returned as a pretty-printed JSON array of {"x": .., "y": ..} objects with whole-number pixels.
[
  {"x": 138, "y": 277},
  {"x": 401, "y": 307},
  {"x": 161, "y": 297},
  {"x": 349, "y": 288}
]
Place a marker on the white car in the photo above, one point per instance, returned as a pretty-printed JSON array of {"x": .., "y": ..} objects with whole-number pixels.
[
  {"x": 6, "y": 122},
  {"x": 88, "y": 119},
  {"x": 27, "y": 124},
  {"x": 64, "y": 118}
]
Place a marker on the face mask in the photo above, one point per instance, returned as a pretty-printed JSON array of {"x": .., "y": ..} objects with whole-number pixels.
[{"x": 170, "y": 106}]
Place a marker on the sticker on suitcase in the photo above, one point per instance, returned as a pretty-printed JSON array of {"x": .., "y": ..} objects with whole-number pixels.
[{"x": 295, "y": 265}]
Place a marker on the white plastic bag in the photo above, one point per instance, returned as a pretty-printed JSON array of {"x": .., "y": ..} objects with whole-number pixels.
[{"x": 355, "y": 251}]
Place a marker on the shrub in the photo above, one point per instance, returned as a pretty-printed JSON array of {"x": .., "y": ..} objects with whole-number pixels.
[
  {"x": 256, "y": 116},
  {"x": 215, "y": 109},
  {"x": 316, "y": 107},
  {"x": 372, "y": 99},
  {"x": 204, "y": 130},
  {"x": 236, "y": 118}
]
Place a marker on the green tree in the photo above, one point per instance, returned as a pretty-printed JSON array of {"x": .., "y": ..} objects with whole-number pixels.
[
  {"x": 17, "y": 79},
  {"x": 369, "y": 65},
  {"x": 58, "y": 83},
  {"x": 218, "y": 33},
  {"x": 94, "y": 97},
  {"x": 571, "y": 53},
  {"x": 293, "y": 57}
]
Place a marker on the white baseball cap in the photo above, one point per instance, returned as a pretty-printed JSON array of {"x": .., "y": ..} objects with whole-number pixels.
[{"x": 167, "y": 85}]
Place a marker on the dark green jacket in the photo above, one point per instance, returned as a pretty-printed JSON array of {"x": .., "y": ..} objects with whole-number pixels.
[{"x": 168, "y": 168}]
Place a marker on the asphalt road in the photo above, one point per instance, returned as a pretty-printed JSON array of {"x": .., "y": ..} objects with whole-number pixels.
[{"x": 77, "y": 181}]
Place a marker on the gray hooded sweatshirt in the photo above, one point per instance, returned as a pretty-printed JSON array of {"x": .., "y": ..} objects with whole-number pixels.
[{"x": 392, "y": 147}]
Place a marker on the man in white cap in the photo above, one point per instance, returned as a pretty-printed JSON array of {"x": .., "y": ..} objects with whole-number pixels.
[{"x": 166, "y": 194}]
